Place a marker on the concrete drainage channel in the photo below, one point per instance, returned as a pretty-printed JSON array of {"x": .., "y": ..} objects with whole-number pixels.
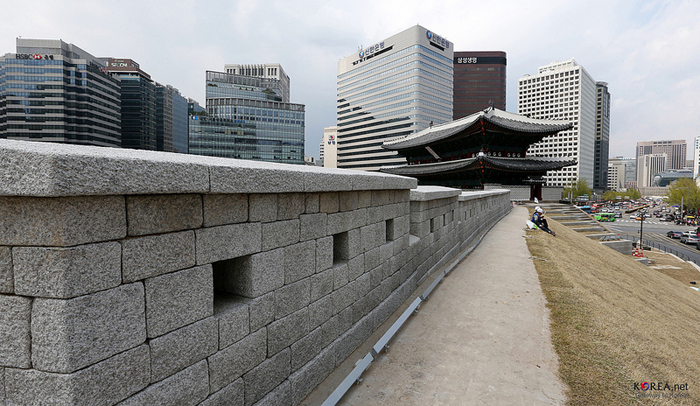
[{"x": 383, "y": 344}]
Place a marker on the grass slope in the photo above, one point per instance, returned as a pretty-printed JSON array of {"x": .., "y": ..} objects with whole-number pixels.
[{"x": 615, "y": 322}]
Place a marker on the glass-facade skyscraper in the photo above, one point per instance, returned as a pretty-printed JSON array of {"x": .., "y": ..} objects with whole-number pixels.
[
  {"x": 249, "y": 118},
  {"x": 54, "y": 91},
  {"x": 171, "y": 120},
  {"x": 602, "y": 136},
  {"x": 391, "y": 89}
]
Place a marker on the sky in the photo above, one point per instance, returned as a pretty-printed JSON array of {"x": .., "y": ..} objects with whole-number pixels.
[{"x": 647, "y": 51}]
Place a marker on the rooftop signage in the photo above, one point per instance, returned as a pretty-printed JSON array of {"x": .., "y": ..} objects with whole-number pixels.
[
  {"x": 437, "y": 40},
  {"x": 33, "y": 56},
  {"x": 371, "y": 51}
]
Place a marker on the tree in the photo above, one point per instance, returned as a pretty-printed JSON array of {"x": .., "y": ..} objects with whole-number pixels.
[
  {"x": 579, "y": 188},
  {"x": 632, "y": 193},
  {"x": 610, "y": 195},
  {"x": 685, "y": 190}
]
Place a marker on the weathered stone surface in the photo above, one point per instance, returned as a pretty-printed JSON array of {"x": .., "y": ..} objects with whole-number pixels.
[
  {"x": 53, "y": 169},
  {"x": 231, "y": 395},
  {"x": 372, "y": 258},
  {"x": 233, "y": 318},
  {"x": 277, "y": 397},
  {"x": 61, "y": 221},
  {"x": 284, "y": 332},
  {"x": 329, "y": 202},
  {"x": 263, "y": 207},
  {"x": 225, "y": 209},
  {"x": 321, "y": 284},
  {"x": 324, "y": 253},
  {"x": 226, "y": 242},
  {"x": 326, "y": 179},
  {"x": 15, "y": 338},
  {"x": 312, "y": 226},
  {"x": 256, "y": 177},
  {"x": 104, "y": 383},
  {"x": 183, "y": 347},
  {"x": 340, "y": 275},
  {"x": 311, "y": 375},
  {"x": 7, "y": 283},
  {"x": 2, "y": 385},
  {"x": 320, "y": 311},
  {"x": 346, "y": 220},
  {"x": 299, "y": 261},
  {"x": 279, "y": 234},
  {"x": 262, "y": 311},
  {"x": 343, "y": 297},
  {"x": 68, "y": 335},
  {"x": 66, "y": 272},
  {"x": 290, "y": 206},
  {"x": 266, "y": 376},
  {"x": 306, "y": 349},
  {"x": 348, "y": 201},
  {"x": 179, "y": 298},
  {"x": 154, "y": 214},
  {"x": 252, "y": 275},
  {"x": 188, "y": 387},
  {"x": 232, "y": 362},
  {"x": 145, "y": 257},
  {"x": 291, "y": 298},
  {"x": 356, "y": 267},
  {"x": 312, "y": 203}
]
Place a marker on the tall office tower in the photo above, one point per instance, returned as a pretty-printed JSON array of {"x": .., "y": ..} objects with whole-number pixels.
[
  {"x": 648, "y": 166},
  {"x": 321, "y": 151},
  {"x": 138, "y": 98},
  {"x": 266, "y": 71},
  {"x": 391, "y": 89},
  {"x": 171, "y": 120},
  {"x": 247, "y": 117},
  {"x": 330, "y": 147},
  {"x": 675, "y": 150},
  {"x": 479, "y": 78},
  {"x": 621, "y": 172},
  {"x": 696, "y": 157},
  {"x": 602, "y": 136},
  {"x": 563, "y": 91},
  {"x": 54, "y": 91}
]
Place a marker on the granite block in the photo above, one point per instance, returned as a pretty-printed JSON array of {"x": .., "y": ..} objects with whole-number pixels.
[
  {"x": 327, "y": 179},
  {"x": 183, "y": 347},
  {"x": 376, "y": 276},
  {"x": 187, "y": 387},
  {"x": 306, "y": 349},
  {"x": 2, "y": 385},
  {"x": 381, "y": 197},
  {"x": 320, "y": 311},
  {"x": 233, "y": 319},
  {"x": 340, "y": 275},
  {"x": 308, "y": 377},
  {"x": 7, "y": 283},
  {"x": 286, "y": 331},
  {"x": 330, "y": 330},
  {"x": 232, "y": 362},
  {"x": 328, "y": 202},
  {"x": 256, "y": 177},
  {"x": 252, "y": 275},
  {"x": 356, "y": 267},
  {"x": 231, "y": 395},
  {"x": 354, "y": 243},
  {"x": 177, "y": 299},
  {"x": 224, "y": 209},
  {"x": 290, "y": 206},
  {"x": 104, "y": 383},
  {"x": 262, "y": 311},
  {"x": 343, "y": 297},
  {"x": 347, "y": 343},
  {"x": 313, "y": 204},
  {"x": 363, "y": 285},
  {"x": 364, "y": 198},
  {"x": 341, "y": 222},
  {"x": 292, "y": 297},
  {"x": 146, "y": 257},
  {"x": 262, "y": 379},
  {"x": 324, "y": 253},
  {"x": 321, "y": 284},
  {"x": 312, "y": 226},
  {"x": 299, "y": 261},
  {"x": 386, "y": 251},
  {"x": 68, "y": 335},
  {"x": 348, "y": 201},
  {"x": 15, "y": 331},
  {"x": 262, "y": 208},
  {"x": 154, "y": 214},
  {"x": 61, "y": 221},
  {"x": 279, "y": 234},
  {"x": 372, "y": 258},
  {"x": 227, "y": 242},
  {"x": 280, "y": 396},
  {"x": 372, "y": 236},
  {"x": 66, "y": 272}
]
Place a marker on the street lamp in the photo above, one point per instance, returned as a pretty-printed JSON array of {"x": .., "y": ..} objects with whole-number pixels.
[{"x": 643, "y": 213}]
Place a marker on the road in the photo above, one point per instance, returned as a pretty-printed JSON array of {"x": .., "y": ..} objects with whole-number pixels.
[{"x": 655, "y": 235}]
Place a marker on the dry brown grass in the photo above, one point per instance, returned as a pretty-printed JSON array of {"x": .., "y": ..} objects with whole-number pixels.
[{"x": 615, "y": 322}]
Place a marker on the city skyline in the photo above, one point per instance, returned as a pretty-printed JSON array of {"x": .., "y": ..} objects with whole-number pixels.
[{"x": 644, "y": 51}]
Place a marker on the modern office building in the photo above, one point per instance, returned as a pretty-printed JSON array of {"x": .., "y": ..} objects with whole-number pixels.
[
  {"x": 392, "y": 88},
  {"x": 622, "y": 173},
  {"x": 55, "y": 91},
  {"x": 676, "y": 152},
  {"x": 171, "y": 120},
  {"x": 329, "y": 146},
  {"x": 479, "y": 79},
  {"x": 563, "y": 91},
  {"x": 602, "y": 136},
  {"x": 696, "y": 157},
  {"x": 648, "y": 167},
  {"x": 247, "y": 117},
  {"x": 138, "y": 100},
  {"x": 266, "y": 71}
]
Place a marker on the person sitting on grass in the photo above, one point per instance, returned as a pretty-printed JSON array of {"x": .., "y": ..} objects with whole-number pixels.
[{"x": 540, "y": 221}]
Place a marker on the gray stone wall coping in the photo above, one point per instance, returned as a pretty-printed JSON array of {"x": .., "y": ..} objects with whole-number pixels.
[
  {"x": 50, "y": 170},
  {"x": 480, "y": 194},
  {"x": 426, "y": 193}
]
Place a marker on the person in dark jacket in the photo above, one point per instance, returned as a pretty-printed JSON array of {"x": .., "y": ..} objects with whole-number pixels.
[{"x": 540, "y": 221}]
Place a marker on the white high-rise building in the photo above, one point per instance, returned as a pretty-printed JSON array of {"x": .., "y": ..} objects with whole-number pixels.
[
  {"x": 329, "y": 147},
  {"x": 648, "y": 166},
  {"x": 393, "y": 88},
  {"x": 622, "y": 172},
  {"x": 563, "y": 91},
  {"x": 696, "y": 158}
]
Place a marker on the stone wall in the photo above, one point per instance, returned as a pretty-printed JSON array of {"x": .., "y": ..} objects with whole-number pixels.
[{"x": 133, "y": 277}]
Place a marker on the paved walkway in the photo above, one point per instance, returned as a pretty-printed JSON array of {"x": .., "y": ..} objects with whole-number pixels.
[{"x": 481, "y": 339}]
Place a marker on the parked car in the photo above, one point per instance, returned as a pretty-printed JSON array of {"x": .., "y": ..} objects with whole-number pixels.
[{"x": 674, "y": 234}]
